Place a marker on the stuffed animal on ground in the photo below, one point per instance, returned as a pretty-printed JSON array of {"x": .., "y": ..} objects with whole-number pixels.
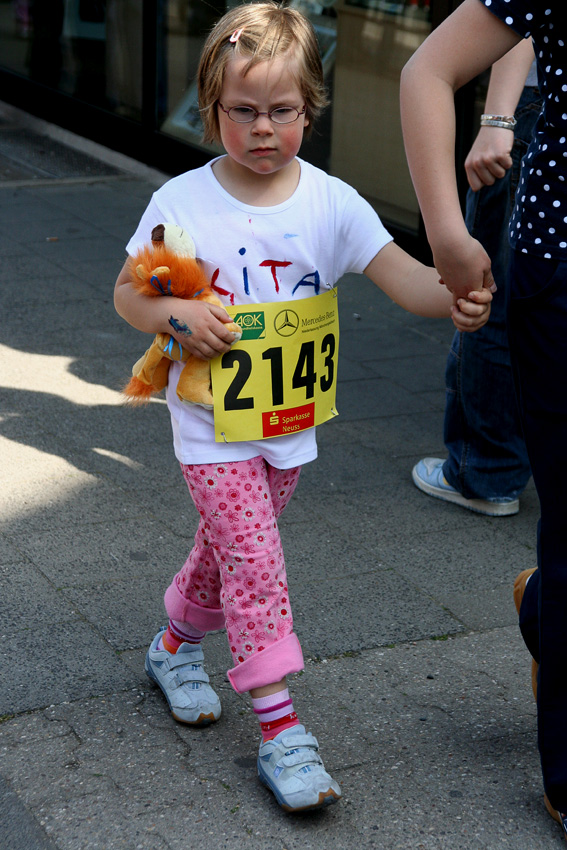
[{"x": 168, "y": 267}]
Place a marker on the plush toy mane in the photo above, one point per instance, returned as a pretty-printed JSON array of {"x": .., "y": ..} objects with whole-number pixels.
[{"x": 157, "y": 270}]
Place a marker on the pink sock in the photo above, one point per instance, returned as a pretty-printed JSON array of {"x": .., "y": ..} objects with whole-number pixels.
[
  {"x": 275, "y": 713},
  {"x": 178, "y": 633}
]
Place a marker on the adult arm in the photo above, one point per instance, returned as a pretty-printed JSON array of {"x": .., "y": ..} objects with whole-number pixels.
[
  {"x": 467, "y": 42},
  {"x": 489, "y": 157}
]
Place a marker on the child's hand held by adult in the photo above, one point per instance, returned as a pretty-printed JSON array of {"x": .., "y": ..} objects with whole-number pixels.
[{"x": 471, "y": 313}]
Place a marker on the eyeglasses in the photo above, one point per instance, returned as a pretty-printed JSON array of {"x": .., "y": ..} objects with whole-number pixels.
[{"x": 246, "y": 114}]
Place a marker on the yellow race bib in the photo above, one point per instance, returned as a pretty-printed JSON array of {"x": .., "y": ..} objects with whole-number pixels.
[{"x": 281, "y": 377}]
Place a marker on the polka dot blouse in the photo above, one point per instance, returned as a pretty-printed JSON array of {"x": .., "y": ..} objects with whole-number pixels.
[{"x": 539, "y": 221}]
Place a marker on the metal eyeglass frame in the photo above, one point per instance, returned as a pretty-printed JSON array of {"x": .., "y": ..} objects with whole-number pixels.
[{"x": 254, "y": 113}]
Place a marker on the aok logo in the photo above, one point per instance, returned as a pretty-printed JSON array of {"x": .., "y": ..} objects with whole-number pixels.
[{"x": 253, "y": 325}]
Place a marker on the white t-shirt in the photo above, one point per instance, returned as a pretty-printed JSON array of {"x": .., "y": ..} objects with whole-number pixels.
[{"x": 258, "y": 254}]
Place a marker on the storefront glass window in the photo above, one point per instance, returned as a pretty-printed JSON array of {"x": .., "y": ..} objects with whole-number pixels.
[
  {"x": 99, "y": 52},
  {"x": 90, "y": 49},
  {"x": 185, "y": 27},
  {"x": 375, "y": 38}
]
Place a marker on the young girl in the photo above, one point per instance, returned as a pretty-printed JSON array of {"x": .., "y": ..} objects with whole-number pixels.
[{"x": 276, "y": 228}]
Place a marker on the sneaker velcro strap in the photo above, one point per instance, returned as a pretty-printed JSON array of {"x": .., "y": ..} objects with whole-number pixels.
[
  {"x": 192, "y": 656},
  {"x": 301, "y": 757},
  {"x": 303, "y": 739},
  {"x": 184, "y": 660},
  {"x": 183, "y": 677}
]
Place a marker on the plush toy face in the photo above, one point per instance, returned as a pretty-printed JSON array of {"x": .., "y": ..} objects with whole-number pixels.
[{"x": 175, "y": 238}]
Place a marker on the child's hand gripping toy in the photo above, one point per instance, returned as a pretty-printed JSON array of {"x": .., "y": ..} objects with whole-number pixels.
[{"x": 168, "y": 267}]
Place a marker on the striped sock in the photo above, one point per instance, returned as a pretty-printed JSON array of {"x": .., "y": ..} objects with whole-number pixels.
[
  {"x": 275, "y": 713},
  {"x": 178, "y": 633}
]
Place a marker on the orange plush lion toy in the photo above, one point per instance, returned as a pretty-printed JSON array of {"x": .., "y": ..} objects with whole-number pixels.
[{"x": 168, "y": 267}]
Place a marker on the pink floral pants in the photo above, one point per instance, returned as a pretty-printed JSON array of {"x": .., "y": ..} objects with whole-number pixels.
[{"x": 235, "y": 574}]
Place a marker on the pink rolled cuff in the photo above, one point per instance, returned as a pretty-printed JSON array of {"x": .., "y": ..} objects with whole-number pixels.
[
  {"x": 180, "y": 608},
  {"x": 279, "y": 659}
]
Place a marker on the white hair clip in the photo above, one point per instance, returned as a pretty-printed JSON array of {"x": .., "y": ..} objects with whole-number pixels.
[{"x": 236, "y": 35}]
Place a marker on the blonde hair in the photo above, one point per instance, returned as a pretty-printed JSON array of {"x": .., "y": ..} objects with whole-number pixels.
[{"x": 267, "y": 31}]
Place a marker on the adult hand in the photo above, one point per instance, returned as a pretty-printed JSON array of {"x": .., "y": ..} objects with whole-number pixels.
[
  {"x": 463, "y": 266},
  {"x": 489, "y": 158}
]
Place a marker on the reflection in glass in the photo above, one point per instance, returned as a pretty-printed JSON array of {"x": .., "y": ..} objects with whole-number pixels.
[
  {"x": 90, "y": 49},
  {"x": 375, "y": 40}
]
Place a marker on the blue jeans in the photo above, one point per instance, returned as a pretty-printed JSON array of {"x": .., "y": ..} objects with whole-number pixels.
[
  {"x": 537, "y": 322},
  {"x": 487, "y": 455}
]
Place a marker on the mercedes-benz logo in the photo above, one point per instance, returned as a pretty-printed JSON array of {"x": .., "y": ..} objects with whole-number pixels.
[{"x": 286, "y": 323}]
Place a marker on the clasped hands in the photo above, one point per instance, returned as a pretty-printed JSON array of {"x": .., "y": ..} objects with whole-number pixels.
[{"x": 465, "y": 270}]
